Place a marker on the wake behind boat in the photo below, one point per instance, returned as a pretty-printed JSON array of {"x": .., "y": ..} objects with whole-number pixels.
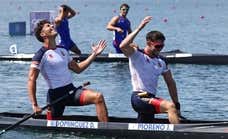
[
  {"x": 171, "y": 57},
  {"x": 123, "y": 127}
]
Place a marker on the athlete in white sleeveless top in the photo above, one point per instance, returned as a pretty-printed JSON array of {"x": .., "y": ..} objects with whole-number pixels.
[
  {"x": 139, "y": 62},
  {"x": 146, "y": 66},
  {"x": 55, "y": 64}
]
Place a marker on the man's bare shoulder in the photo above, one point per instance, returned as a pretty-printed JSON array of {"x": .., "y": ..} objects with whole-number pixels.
[
  {"x": 115, "y": 18},
  {"x": 134, "y": 45},
  {"x": 128, "y": 51}
]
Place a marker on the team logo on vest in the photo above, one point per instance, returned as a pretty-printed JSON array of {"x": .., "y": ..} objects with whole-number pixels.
[
  {"x": 50, "y": 56},
  {"x": 62, "y": 53},
  {"x": 159, "y": 64},
  {"x": 147, "y": 60}
]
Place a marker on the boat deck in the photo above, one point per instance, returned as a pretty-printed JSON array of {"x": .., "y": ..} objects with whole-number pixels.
[{"x": 124, "y": 127}]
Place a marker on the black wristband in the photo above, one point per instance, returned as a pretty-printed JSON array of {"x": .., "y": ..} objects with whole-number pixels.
[{"x": 177, "y": 104}]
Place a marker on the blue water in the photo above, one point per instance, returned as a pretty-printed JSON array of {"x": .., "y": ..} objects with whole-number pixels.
[{"x": 192, "y": 26}]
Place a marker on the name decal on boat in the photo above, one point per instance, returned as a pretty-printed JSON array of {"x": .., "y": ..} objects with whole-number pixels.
[
  {"x": 179, "y": 55},
  {"x": 150, "y": 127},
  {"x": 113, "y": 55},
  {"x": 72, "y": 124}
]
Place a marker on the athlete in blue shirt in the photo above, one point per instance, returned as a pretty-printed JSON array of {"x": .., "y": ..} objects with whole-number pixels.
[
  {"x": 121, "y": 27},
  {"x": 62, "y": 27}
]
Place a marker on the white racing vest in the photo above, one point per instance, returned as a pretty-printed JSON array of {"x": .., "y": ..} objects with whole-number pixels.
[
  {"x": 53, "y": 65},
  {"x": 145, "y": 71}
]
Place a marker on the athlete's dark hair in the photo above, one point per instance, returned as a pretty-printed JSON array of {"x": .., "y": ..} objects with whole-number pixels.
[
  {"x": 124, "y": 5},
  {"x": 38, "y": 29},
  {"x": 64, "y": 7},
  {"x": 155, "y": 36}
]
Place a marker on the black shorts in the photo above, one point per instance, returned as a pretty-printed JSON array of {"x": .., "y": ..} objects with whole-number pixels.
[
  {"x": 145, "y": 109},
  {"x": 73, "y": 100}
]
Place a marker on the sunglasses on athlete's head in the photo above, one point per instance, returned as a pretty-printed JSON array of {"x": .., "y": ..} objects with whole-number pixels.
[
  {"x": 159, "y": 46},
  {"x": 124, "y": 9}
]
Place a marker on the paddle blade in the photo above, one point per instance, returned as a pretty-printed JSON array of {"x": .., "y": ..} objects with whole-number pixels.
[{"x": 2, "y": 132}]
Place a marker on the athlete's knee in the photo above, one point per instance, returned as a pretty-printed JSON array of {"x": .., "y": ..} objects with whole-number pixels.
[
  {"x": 171, "y": 107},
  {"x": 99, "y": 98}
]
